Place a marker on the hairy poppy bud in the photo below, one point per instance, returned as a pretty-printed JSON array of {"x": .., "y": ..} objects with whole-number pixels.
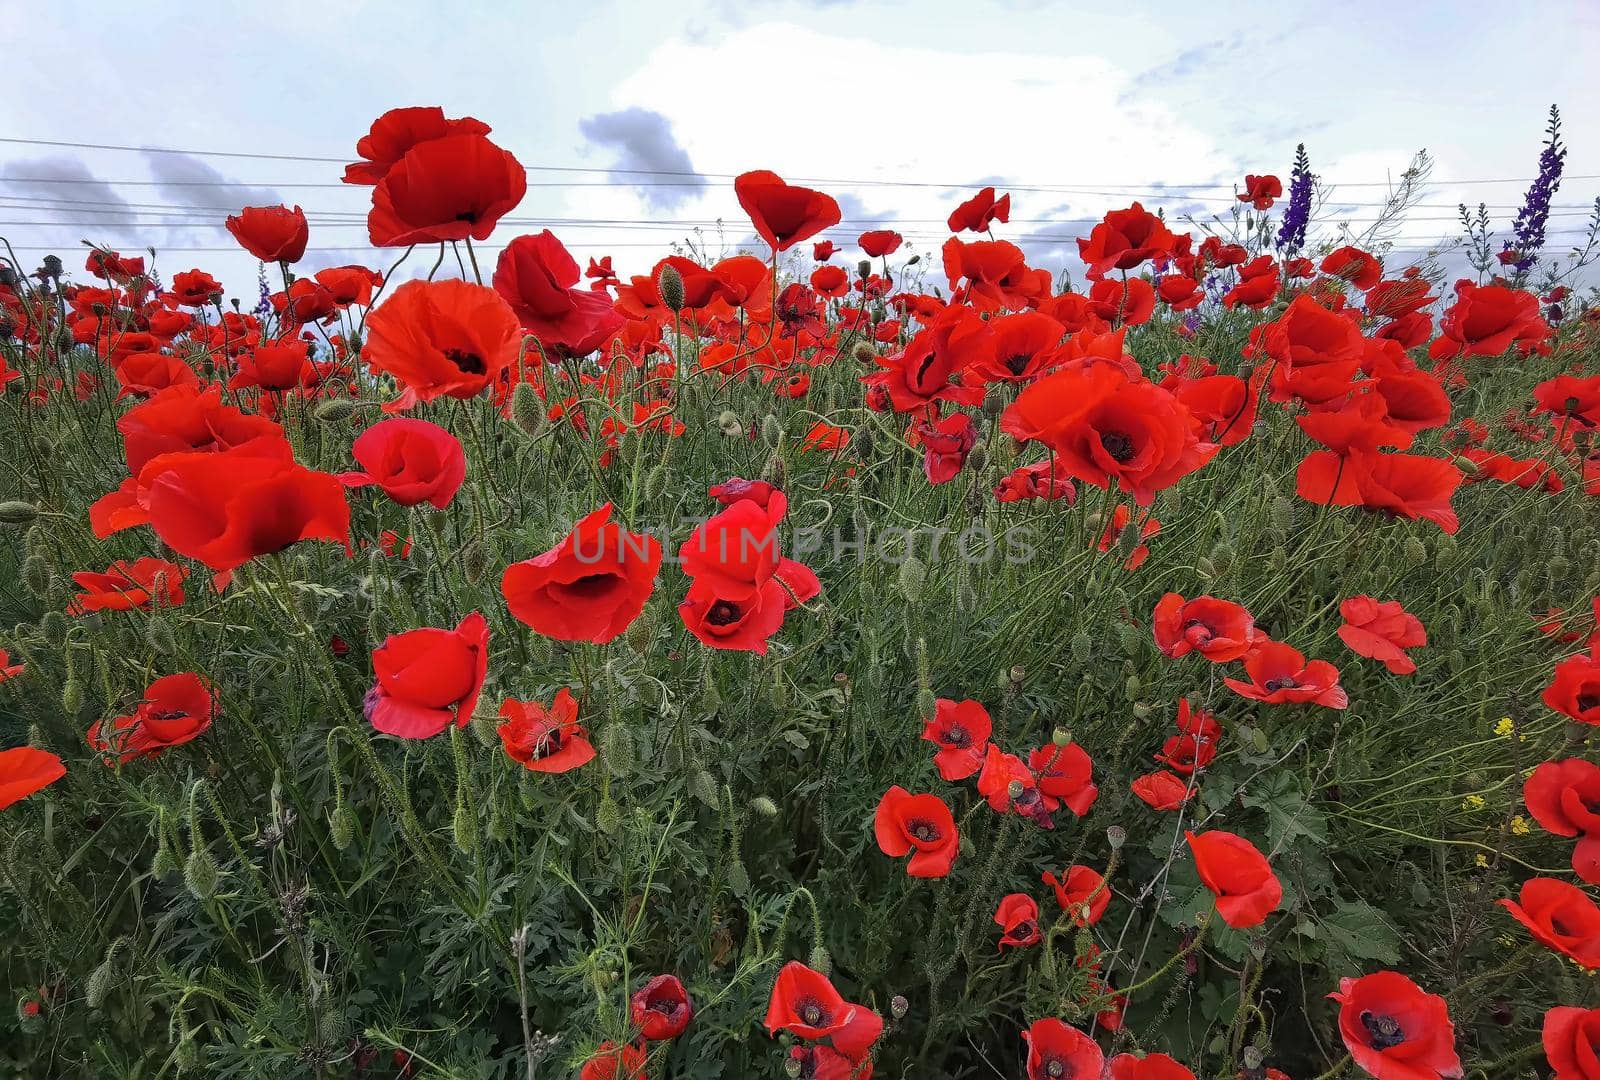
[
  {"x": 1222, "y": 555},
  {"x": 774, "y": 472},
  {"x": 463, "y": 827},
  {"x": 342, "y": 826},
  {"x": 1133, "y": 686},
  {"x": 158, "y": 635},
  {"x": 764, "y": 806},
  {"x": 728, "y": 423},
  {"x": 819, "y": 960},
  {"x": 1130, "y": 638},
  {"x": 704, "y": 787},
  {"x": 1205, "y": 568},
  {"x": 864, "y": 353},
  {"x": 669, "y": 283},
  {"x": 1416, "y": 551},
  {"x": 527, "y": 411},
  {"x": 1284, "y": 513},
  {"x": 1082, "y": 646},
  {"x": 913, "y": 575},
  {"x": 616, "y": 748},
  {"x": 72, "y": 696},
  {"x": 334, "y": 411},
  {"x": 771, "y": 430},
  {"x": 1253, "y": 1058},
  {"x": 200, "y": 874},
  {"x": 608, "y": 818},
  {"x": 16, "y": 512}
]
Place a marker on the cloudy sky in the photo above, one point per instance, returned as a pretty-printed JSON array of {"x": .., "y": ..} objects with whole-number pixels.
[{"x": 898, "y": 110}]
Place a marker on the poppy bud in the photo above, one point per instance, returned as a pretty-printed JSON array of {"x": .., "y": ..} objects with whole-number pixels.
[
  {"x": 728, "y": 423},
  {"x": 608, "y": 818},
  {"x": 72, "y": 696},
  {"x": 1416, "y": 551},
  {"x": 462, "y": 827},
  {"x": 1205, "y": 568},
  {"x": 913, "y": 575},
  {"x": 16, "y": 512},
  {"x": 704, "y": 787},
  {"x": 527, "y": 411},
  {"x": 1116, "y": 836},
  {"x": 165, "y": 863},
  {"x": 1278, "y": 559},
  {"x": 773, "y": 472},
  {"x": 200, "y": 874},
  {"x": 103, "y": 979},
  {"x": 616, "y": 748},
  {"x": 771, "y": 429},
  {"x": 1082, "y": 646},
  {"x": 820, "y": 961},
  {"x": 1252, "y": 1058},
  {"x": 158, "y": 635},
  {"x": 1132, "y": 687},
  {"x": 669, "y": 283},
  {"x": 334, "y": 411},
  {"x": 864, "y": 353},
  {"x": 1130, "y": 638},
  {"x": 1445, "y": 547},
  {"x": 764, "y": 806},
  {"x": 1129, "y": 539},
  {"x": 1556, "y": 570},
  {"x": 995, "y": 400},
  {"x": 342, "y": 826}
]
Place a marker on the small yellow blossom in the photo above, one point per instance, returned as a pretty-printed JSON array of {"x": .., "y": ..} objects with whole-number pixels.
[
  {"x": 1520, "y": 826},
  {"x": 1504, "y": 727},
  {"x": 1472, "y": 802},
  {"x": 1481, "y": 860}
]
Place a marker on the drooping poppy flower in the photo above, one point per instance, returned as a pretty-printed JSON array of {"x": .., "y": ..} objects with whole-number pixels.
[
  {"x": 1260, "y": 191},
  {"x": 1574, "y": 691},
  {"x": 1560, "y": 795},
  {"x": 1487, "y": 320},
  {"x": 25, "y": 770},
  {"x": 412, "y": 460},
  {"x": 444, "y": 189},
  {"x": 1381, "y": 630},
  {"x": 1125, "y": 239},
  {"x": 1064, "y": 775},
  {"x": 823, "y": 250},
  {"x": 1151, "y": 1066},
  {"x": 1018, "y": 917},
  {"x": 1117, "y": 528},
  {"x": 1279, "y": 674},
  {"x": 946, "y": 442},
  {"x": 919, "y": 825},
  {"x": 1039, "y": 481},
  {"x": 442, "y": 339},
  {"x": 1238, "y": 875},
  {"x": 1162, "y": 790},
  {"x": 1360, "y": 269},
  {"x": 1105, "y": 426},
  {"x": 590, "y": 587},
  {"x": 805, "y": 1004},
  {"x": 1574, "y": 399},
  {"x": 980, "y": 212},
  {"x": 1409, "y": 486},
  {"x": 1080, "y": 888},
  {"x": 428, "y": 678},
  {"x": 396, "y": 132},
  {"x": 1218, "y": 630},
  {"x": 545, "y": 740},
  {"x": 1571, "y": 1038},
  {"x": 125, "y": 586},
  {"x": 271, "y": 233},
  {"x": 880, "y": 242},
  {"x": 1395, "y": 1030},
  {"x": 613, "y": 1062},
  {"x": 227, "y": 508},
  {"x": 1057, "y": 1050},
  {"x": 174, "y": 710},
  {"x": 961, "y": 730},
  {"x": 783, "y": 214},
  {"x": 737, "y": 488},
  {"x": 1560, "y": 916},
  {"x": 661, "y": 1008},
  {"x": 538, "y": 278}
]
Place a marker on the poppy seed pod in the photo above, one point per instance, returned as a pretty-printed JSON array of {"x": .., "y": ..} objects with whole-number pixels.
[
  {"x": 864, "y": 353},
  {"x": 1116, "y": 836},
  {"x": 864, "y": 268},
  {"x": 898, "y": 1007},
  {"x": 669, "y": 283}
]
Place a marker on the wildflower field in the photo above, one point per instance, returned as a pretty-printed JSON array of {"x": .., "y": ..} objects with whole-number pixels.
[{"x": 815, "y": 659}]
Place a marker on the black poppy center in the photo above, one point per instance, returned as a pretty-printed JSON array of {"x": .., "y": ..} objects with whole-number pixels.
[
  {"x": 663, "y": 1005},
  {"x": 1383, "y": 1032},
  {"x": 812, "y": 1013},
  {"x": 1017, "y": 364},
  {"x": 170, "y": 714},
  {"x": 1282, "y": 682},
  {"x": 469, "y": 363},
  {"x": 723, "y": 613},
  {"x": 1058, "y": 1069},
  {"x": 958, "y": 738},
  {"x": 1118, "y": 445},
  {"x": 925, "y": 831},
  {"x": 1588, "y": 701}
]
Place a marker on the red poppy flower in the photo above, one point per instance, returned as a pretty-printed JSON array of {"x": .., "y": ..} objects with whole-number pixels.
[
  {"x": 805, "y": 1004},
  {"x": 919, "y": 825},
  {"x": 823, "y": 250},
  {"x": 545, "y": 740},
  {"x": 1218, "y": 630},
  {"x": 1195, "y": 745},
  {"x": 187, "y": 418},
  {"x": 736, "y": 551},
  {"x": 1257, "y": 286},
  {"x": 396, "y": 132},
  {"x": 428, "y": 678},
  {"x": 1238, "y": 875},
  {"x": 961, "y": 731},
  {"x": 275, "y": 365},
  {"x": 1279, "y": 673},
  {"x": 25, "y": 770},
  {"x": 111, "y": 266},
  {"x": 1105, "y": 425},
  {"x": 1111, "y": 537},
  {"x": 661, "y": 1008},
  {"x": 880, "y": 242},
  {"x": 1162, "y": 790},
  {"x": 1179, "y": 292},
  {"x": 613, "y": 1062},
  {"x": 590, "y": 587},
  {"x": 141, "y": 374},
  {"x": 1572, "y": 1042},
  {"x": 1560, "y": 795},
  {"x": 1125, "y": 239},
  {"x": 1409, "y": 486},
  {"x": 1260, "y": 191},
  {"x": 538, "y": 278},
  {"x": 442, "y": 339},
  {"x": 996, "y": 274},
  {"x": 738, "y": 489},
  {"x": 1057, "y": 1050},
  {"x": 449, "y": 188},
  {"x": 174, "y": 710},
  {"x": 195, "y": 288},
  {"x": 1503, "y": 468},
  {"x": 1574, "y": 692},
  {"x": 830, "y": 281},
  {"x": 1573, "y": 398},
  {"x": 348, "y": 285},
  {"x": 1381, "y": 630},
  {"x": 1064, "y": 775},
  {"x": 8, "y": 670},
  {"x": 227, "y": 508},
  {"x": 1119, "y": 303},
  {"x": 924, "y": 371},
  {"x": 1358, "y": 268},
  {"x": 271, "y": 233},
  {"x": 1487, "y": 320},
  {"x": 745, "y": 624},
  {"x": 784, "y": 215},
  {"x": 1151, "y": 1066},
  {"x": 1008, "y": 784},
  {"x": 1316, "y": 351},
  {"x": 1018, "y": 916},
  {"x": 1560, "y": 916},
  {"x": 1081, "y": 887},
  {"x": 946, "y": 442},
  {"x": 128, "y": 585},
  {"x": 980, "y": 212},
  {"x": 412, "y": 460},
  {"x": 1039, "y": 481},
  {"x": 1021, "y": 347},
  {"x": 1395, "y": 1030}
]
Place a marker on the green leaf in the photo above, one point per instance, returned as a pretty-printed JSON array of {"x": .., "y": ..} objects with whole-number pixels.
[{"x": 1289, "y": 813}]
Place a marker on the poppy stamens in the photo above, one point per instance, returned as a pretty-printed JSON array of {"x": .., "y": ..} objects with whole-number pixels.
[
  {"x": 1118, "y": 445},
  {"x": 1383, "y": 1031}
]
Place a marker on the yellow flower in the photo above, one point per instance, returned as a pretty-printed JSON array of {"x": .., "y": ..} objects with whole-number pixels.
[
  {"x": 1472, "y": 802},
  {"x": 1520, "y": 826},
  {"x": 1481, "y": 859},
  {"x": 1504, "y": 727}
]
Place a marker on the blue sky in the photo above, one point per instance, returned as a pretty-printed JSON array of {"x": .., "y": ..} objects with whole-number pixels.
[{"x": 894, "y": 102}]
